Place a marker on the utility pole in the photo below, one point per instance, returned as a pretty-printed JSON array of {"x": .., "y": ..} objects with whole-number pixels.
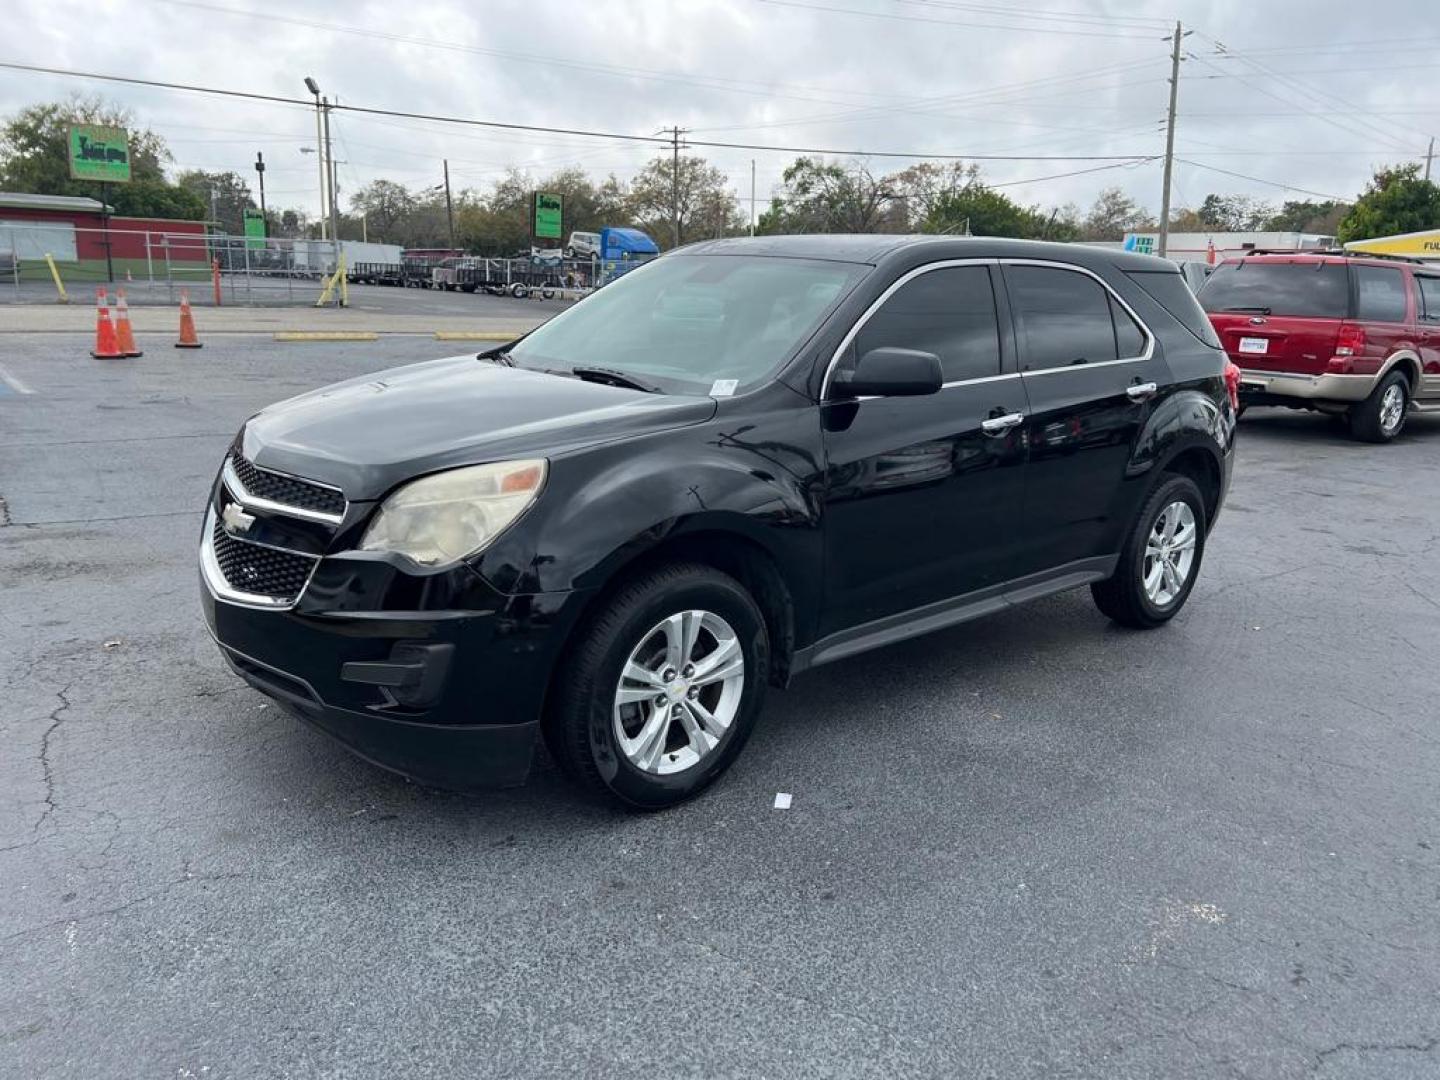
[
  {"x": 1170, "y": 140},
  {"x": 260, "y": 171},
  {"x": 675, "y": 133},
  {"x": 449, "y": 207},
  {"x": 314, "y": 88},
  {"x": 330, "y": 160},
  {"x": 752, "y": 196},
  {"x": 1429, "y": 154}
]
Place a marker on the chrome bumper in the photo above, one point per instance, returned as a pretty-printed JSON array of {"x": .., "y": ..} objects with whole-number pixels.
[{"x": 1309, "y": 387}]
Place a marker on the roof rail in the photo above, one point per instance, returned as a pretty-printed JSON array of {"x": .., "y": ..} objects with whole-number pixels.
[{"x": 1339, "y": 252}]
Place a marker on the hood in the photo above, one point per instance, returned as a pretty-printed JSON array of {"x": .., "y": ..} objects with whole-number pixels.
[{"x": 368, "y": 434}]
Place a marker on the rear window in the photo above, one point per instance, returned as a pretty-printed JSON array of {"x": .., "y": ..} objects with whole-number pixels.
[
  {"x": 1308, "y": 290},
  {"x": 1380, "y": 294},
  {"x": 1171, "y": 293}
]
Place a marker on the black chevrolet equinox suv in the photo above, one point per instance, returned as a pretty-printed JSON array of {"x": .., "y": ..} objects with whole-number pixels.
[{"x": 745, "y": 459}]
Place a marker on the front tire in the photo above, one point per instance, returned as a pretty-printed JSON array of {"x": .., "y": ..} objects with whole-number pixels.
[
  {"x": 663, "y": 687},
  {"x": 1160, "y": 560},
  {"x": 1379, "y": 418}
]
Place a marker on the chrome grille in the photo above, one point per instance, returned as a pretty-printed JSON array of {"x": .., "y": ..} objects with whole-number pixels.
[
  {"x": 259, "y": 570},
  {"x": 287, "y": 490}
]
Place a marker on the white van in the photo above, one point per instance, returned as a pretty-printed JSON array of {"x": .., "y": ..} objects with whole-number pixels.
[{"x": 583, "y": 245}]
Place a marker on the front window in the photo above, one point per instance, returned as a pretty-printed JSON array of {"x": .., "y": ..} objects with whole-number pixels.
[{"x": 690, "y": 322}]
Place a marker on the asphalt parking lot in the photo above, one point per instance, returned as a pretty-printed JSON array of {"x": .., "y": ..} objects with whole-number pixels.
[{"x": 1034, "y": 845}]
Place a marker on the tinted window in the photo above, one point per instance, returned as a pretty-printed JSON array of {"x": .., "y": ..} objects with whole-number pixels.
[
  {"x": 1062, "y": 317},
  {"x": 1429, "y": 296},
  {"x": 1379, "y": 294},
  {"x": 1129, "y": 338},
  {"x": 686, "y": 321},
  {"x": 1314, "y": 290},
  {"x": 948, "y": 312},
  {"x": 1172, "y": 293}
]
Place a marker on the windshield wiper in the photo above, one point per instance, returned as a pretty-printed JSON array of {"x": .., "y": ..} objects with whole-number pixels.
[
  {"x": 1259, "y": 310},
  {"x": 498, "y": 356},
  {"x": 611, "y": 377}
]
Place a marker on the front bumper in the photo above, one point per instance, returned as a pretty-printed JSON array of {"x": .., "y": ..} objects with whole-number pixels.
[
  {"x": 1258, "y": 385},
  {"x": 450, "y": 697}
]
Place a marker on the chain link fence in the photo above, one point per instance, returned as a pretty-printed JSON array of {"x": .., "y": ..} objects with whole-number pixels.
[{"x": 41, "y": 262}]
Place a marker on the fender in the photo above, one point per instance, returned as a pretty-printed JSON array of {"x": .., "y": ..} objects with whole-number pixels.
[
  {"x": 605, "y": 506},
  {"x": 1184, "y": 419},
  {"x": 1410, "y": 358}
]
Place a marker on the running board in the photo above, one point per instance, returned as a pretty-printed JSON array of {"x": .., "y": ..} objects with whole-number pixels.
[
  {"x": 1426, "y": 407},
  {"x": 946, "y": 613}
]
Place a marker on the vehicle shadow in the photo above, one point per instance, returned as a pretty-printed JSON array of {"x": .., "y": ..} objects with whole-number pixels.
[{"x": 1299, "y": 425}]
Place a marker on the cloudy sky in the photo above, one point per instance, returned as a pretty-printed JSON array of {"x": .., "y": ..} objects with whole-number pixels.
[{"x": 1302, "y": 97}]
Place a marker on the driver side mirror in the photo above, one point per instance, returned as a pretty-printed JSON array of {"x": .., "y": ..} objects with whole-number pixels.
[{"x": 889, "y": 372}]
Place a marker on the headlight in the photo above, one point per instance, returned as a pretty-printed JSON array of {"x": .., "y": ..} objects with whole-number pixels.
[{"x": 443, "y": 518}]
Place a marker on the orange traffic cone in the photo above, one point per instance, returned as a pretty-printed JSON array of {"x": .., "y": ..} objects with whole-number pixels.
[
  {"x": 107, "y": 346},
  {"x": 188, "y": 340},
  {"x": 124, "y": 335}
]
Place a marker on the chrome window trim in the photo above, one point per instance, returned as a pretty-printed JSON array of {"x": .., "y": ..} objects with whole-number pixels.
[
  {"x": 221, "y": 589},
  {"x": 943, "y": 264},
  {"x": 256, "y": 502},
  {"x": 1147, "y": 353}
]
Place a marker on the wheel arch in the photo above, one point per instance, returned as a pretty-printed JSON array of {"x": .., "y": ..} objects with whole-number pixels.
[{"x": 1404, "y": 360}]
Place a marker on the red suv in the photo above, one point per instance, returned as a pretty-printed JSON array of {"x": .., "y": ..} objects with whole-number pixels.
[{"x": 1353, "y": 336}]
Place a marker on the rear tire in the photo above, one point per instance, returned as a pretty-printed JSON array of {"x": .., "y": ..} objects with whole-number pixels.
[
  {"x": 620, "y": 727},
  {"x": 1160, "y": 560},
  {"x": 1381, "y": 416}
]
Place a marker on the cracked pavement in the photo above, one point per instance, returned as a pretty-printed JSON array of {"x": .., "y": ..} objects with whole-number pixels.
[{"x": 1033, "y": 846}]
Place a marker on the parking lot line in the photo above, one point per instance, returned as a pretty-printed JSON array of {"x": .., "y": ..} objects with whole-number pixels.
[
  {"x": 326, "y": 335},
  {"x": 7, "y": 378},
  {"x": 476, "y": 335}
]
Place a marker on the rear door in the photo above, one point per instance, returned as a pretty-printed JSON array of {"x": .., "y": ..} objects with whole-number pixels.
[
  {"x": 1383, "y": 311},
  {"x": 1091, "y": 372},
  {"x": 1278, "y": 315},
  {"x": 1428, "y": 332}
]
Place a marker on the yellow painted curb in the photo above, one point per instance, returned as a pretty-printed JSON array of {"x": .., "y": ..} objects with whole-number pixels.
[
  {"x": 326, "y": 335},
  {"x": 476, "y": 335}
]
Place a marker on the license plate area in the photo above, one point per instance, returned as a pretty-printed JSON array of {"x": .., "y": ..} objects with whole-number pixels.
[{"x": 1256, "y": 346}]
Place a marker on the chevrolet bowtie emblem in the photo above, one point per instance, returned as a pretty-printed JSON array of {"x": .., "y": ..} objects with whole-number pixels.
[{"x": 235, "y": 519}]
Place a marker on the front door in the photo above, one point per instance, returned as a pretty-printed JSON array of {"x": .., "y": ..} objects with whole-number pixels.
[
  {"x": 922, "y": 494},
  {"x": 1091, "y": 372}
]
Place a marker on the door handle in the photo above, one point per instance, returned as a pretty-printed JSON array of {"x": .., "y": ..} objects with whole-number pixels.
[
  {"x": 1141, "y": 391},
  {"x": 996, "y": 424}
]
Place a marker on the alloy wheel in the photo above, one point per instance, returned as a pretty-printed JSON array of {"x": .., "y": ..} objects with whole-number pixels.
[
  {"x": 679, "y": 692},
  {"x": 1392, "y": 408},
  {"x": 1170, "y": 553}
]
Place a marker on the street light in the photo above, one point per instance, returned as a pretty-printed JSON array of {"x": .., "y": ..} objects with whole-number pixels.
[{"x": 314, "y": 88}]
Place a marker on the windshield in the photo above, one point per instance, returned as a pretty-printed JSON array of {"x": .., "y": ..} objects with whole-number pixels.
[
  {"x": 689, "y": 322},
  {"x": 1308, "y": 290}
]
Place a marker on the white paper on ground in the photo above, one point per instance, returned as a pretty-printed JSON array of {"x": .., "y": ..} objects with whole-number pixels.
[{"x": 782, "y": 800}]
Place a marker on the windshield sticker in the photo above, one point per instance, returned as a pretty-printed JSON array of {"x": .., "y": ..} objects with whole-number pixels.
[{"x": 723, "y": 387}]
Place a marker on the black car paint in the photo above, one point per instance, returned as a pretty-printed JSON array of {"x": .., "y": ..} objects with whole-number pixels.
[{"x": 879, "y": 518}]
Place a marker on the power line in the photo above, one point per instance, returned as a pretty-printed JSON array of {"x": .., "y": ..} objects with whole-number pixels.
[
  {"x": 955, "y": 22},
  {"x": 645, "y": 139},
  {"x": 1262, "y": 180}
]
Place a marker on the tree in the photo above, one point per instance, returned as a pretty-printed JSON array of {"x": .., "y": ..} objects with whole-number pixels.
[
  {"x": 225, "y": 196},
  {"x": 819, "y": 196},
  {"x": 34, "y": 157},
  {"x": 1234, "y": 213},
  {"x": 1397, "y": 200},
  {"x": 701, "y": 189},
  {"x": 918, "y": 188},
  {"x": 977, "y": 210},
  {"x": 1112, "y": 215},
  {"x": 1309, "y": 217},
  {"x": 385, "y": 205}
]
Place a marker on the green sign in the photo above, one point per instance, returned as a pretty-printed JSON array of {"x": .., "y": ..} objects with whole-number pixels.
[
  {"x": 254, "y": 229},
  {"x": 1145, "y": 245},
  {"x": 549, "y": 217},
  {"x": 99, "y": 153}
]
